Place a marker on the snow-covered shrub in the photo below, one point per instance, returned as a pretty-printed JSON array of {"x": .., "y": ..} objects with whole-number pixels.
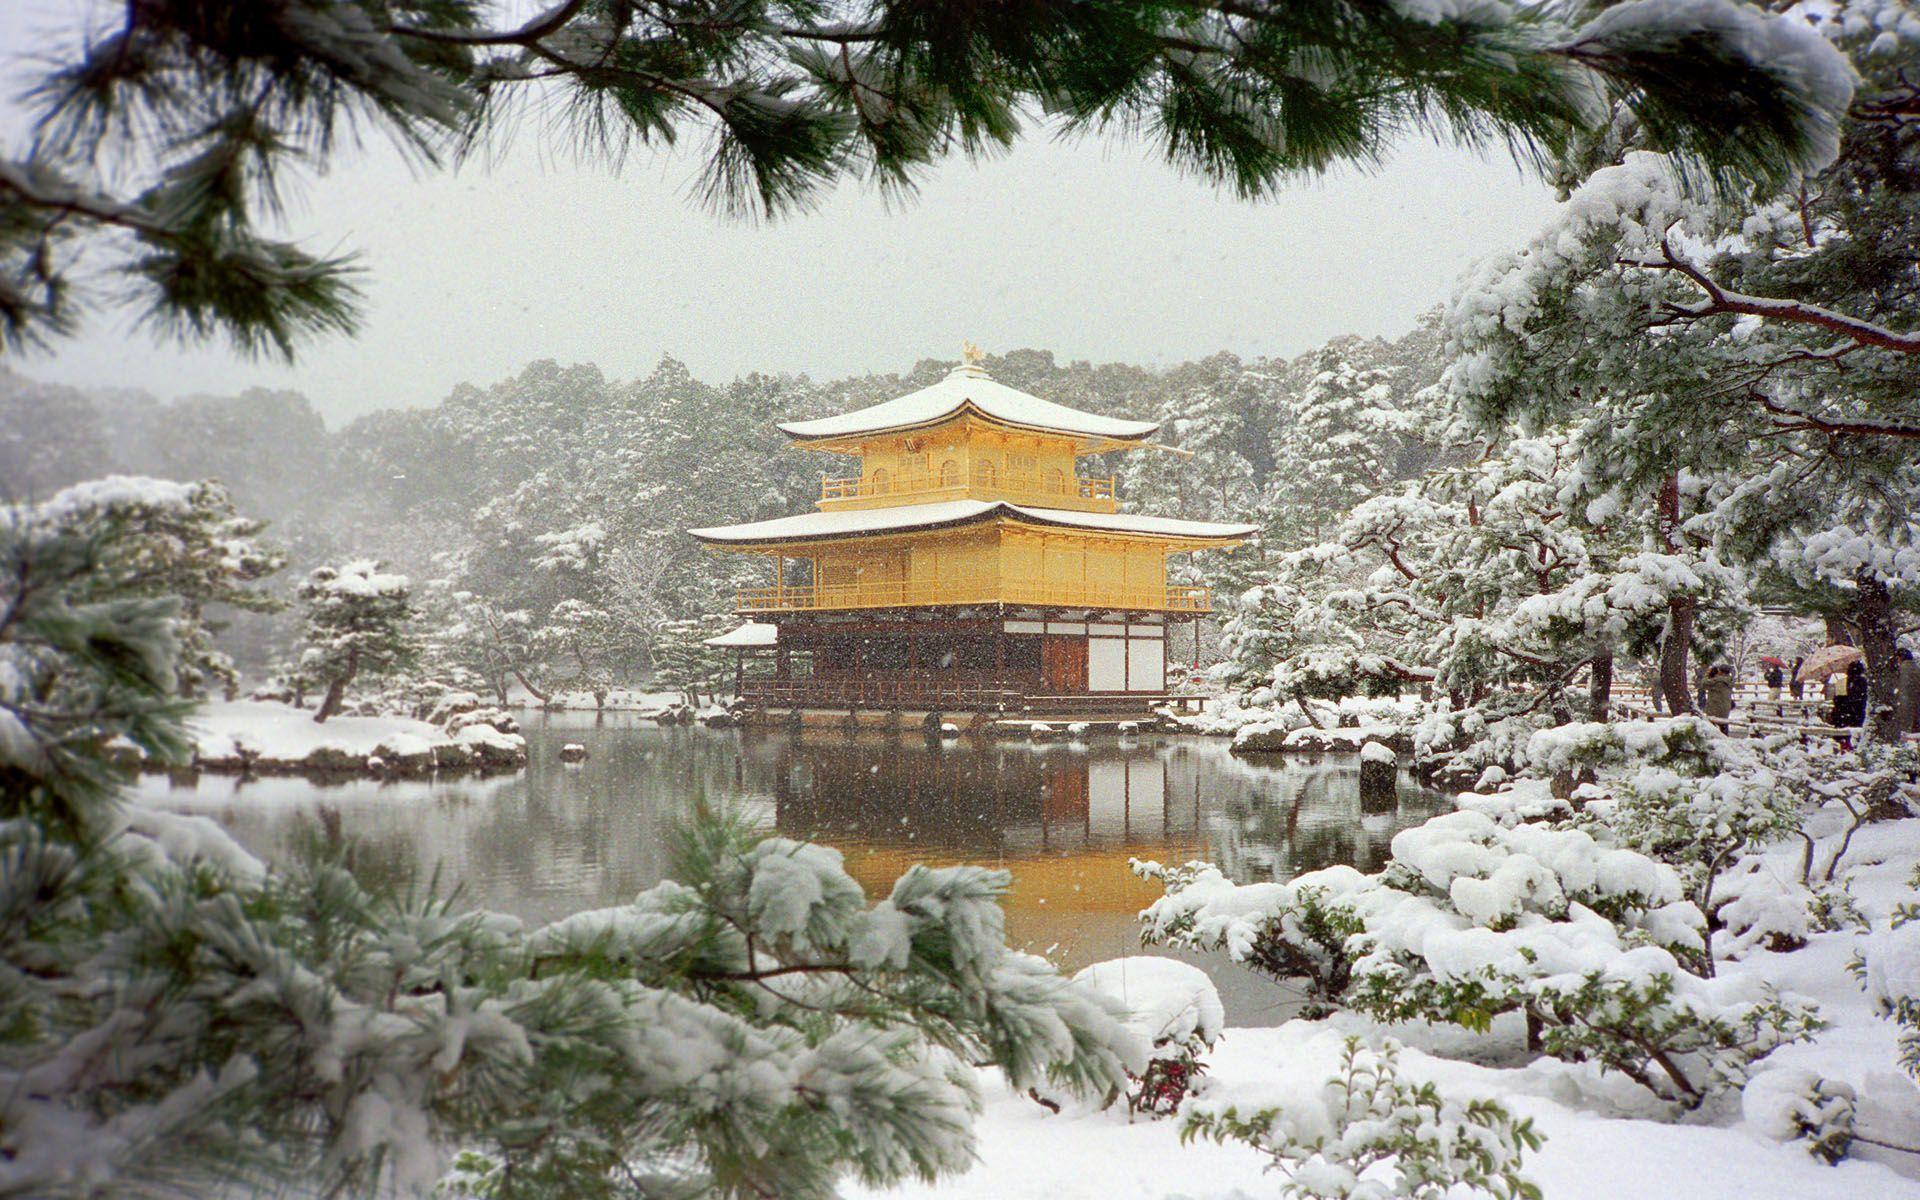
[
  {"x": 1293, "y": 931},
  {"x": 1793, "y": 1105},
  {"x": 1366, "y": 1133},
  {"x": 1525, "y": 800},
  {"x": 1760, "y": 906},
  {"x": 1875, "y": 782},
  {"x": 1474, "y": 744},
  {"x": 1471, "y": 919},
  {"x": 1887, "y": 964},
  {"x": 1175, "y": 1009},
  {"x": 1832, "y": 909},
  {"x": 1682, "y": 792}
]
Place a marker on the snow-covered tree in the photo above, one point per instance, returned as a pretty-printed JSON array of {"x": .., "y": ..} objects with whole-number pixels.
[
  {"x": 80, "y": 667},
  {"x": 1335, "y": 446},
  {"x": 180, "y": 540},
  {"x": 1737, "y": 358},
  {"x": 162, "y": 140},
  {"x": 683, "y": 660},
  {"x": 1486, "y": 584},
  {"x": 358, "y": 624}
]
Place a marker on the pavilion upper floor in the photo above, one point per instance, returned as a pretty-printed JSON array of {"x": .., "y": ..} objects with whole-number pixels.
[{"x": 999, "y": 560}]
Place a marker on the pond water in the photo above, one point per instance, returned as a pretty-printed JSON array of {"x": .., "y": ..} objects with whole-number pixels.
[{"x": 1063, "y": 817}]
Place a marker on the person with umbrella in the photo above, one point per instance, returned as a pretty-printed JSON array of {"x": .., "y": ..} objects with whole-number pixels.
[
  {"x": 1795, "y": 686},
  {"x": 1844, "y": 691},
  {"x": 1775, "y": 675}
]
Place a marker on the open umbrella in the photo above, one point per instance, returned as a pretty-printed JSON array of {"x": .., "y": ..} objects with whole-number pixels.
[
  {"x": 1771, "y": 661},
  {"x": 1828, "y": 659}
]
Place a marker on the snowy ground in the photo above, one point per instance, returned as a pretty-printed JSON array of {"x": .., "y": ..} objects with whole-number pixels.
[
  {"x": 1027, "y": 1153},
  {"x": 646, "y": 704},
  {"x": 1601, "y": 1142}
]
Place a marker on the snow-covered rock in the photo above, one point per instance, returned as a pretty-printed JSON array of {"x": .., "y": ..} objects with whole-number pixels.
[
  {"x": 491, "y": 748},
  {"x": 1378, "y": 752},
  {"x": 573, "y": 752},
  {"x": 1167, "y": 1002}
]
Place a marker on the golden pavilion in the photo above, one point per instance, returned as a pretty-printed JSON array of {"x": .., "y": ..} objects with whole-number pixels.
[{"x": 965, "y": 563}]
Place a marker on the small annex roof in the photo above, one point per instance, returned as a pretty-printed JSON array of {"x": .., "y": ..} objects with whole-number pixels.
[
  {"x": 821, "y": 526},
  {"x": 754, "y": 635},
  {"x": 969, "y": 386}
]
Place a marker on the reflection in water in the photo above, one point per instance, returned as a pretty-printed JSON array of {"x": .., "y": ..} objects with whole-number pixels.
[{"x": 1063, "y": 817}]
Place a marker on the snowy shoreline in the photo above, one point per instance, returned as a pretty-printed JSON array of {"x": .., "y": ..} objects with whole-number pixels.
[{"x": 255, "y": 737}]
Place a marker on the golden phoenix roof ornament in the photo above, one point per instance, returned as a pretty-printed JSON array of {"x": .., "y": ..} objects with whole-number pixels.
[{"x": 971, "y": 354}]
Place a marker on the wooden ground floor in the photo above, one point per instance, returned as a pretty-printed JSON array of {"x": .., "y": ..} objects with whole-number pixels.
[{"x": 993, "y": 659}]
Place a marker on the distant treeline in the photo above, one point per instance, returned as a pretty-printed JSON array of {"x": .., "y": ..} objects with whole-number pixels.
[{"x": 560, "y": 484}]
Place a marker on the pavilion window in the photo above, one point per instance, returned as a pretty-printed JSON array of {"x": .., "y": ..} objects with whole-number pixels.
[
  {"x": 984, "y": 475},
  {"x": 950, "y": 473},
  {"x": 882, "y": 482},
  {"x": 1057, "y": 482}
]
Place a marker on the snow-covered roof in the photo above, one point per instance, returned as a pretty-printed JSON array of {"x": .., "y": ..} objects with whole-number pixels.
[
  {"x": 750, "y": 636},
  {"x": 968, "y": 386},
  {"x": 815, "y": 526}
]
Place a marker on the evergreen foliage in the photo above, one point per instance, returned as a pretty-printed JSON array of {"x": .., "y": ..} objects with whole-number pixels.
[
  {"x": 179, "y": 542},
  {"x": 1738, "y": 360},
  {"x": 359, "y": 624},
  {"x": 1593, "y": 943},
  {"x": 164, "y": 145},
  {"x": 180, "y": 1019},
  {"x": 80, "y": 666}
]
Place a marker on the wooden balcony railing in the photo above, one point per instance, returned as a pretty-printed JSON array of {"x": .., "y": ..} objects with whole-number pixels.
[
  {"x": 882, "y": 693},
  {"x": 906, "y": 594},
  {"x": 1007, "y": 485}
]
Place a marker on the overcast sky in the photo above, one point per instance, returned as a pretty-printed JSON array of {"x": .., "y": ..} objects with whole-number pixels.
[{"x": 1093, "y": 249}]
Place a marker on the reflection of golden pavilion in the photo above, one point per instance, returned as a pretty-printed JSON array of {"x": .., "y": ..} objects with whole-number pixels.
[
  {"x": 1067, "y": 820},
  {"x": 968, "y": 565},
  {"x": 1064, "y": 818}
]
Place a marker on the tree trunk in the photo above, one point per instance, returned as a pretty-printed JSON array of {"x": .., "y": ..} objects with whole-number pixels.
[
  {"x": 1678, "y": 643},
  {"x": 337, "y": 690},
  {"x": 330, "y": 703},
  {"x": 1600, "y": 686},
  {"x": 1838, "y": 632},
  {"x": 1873, "y": 612},
  {"x": 533, "y": 691},
  {"x": 1673, "y": 655}
]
